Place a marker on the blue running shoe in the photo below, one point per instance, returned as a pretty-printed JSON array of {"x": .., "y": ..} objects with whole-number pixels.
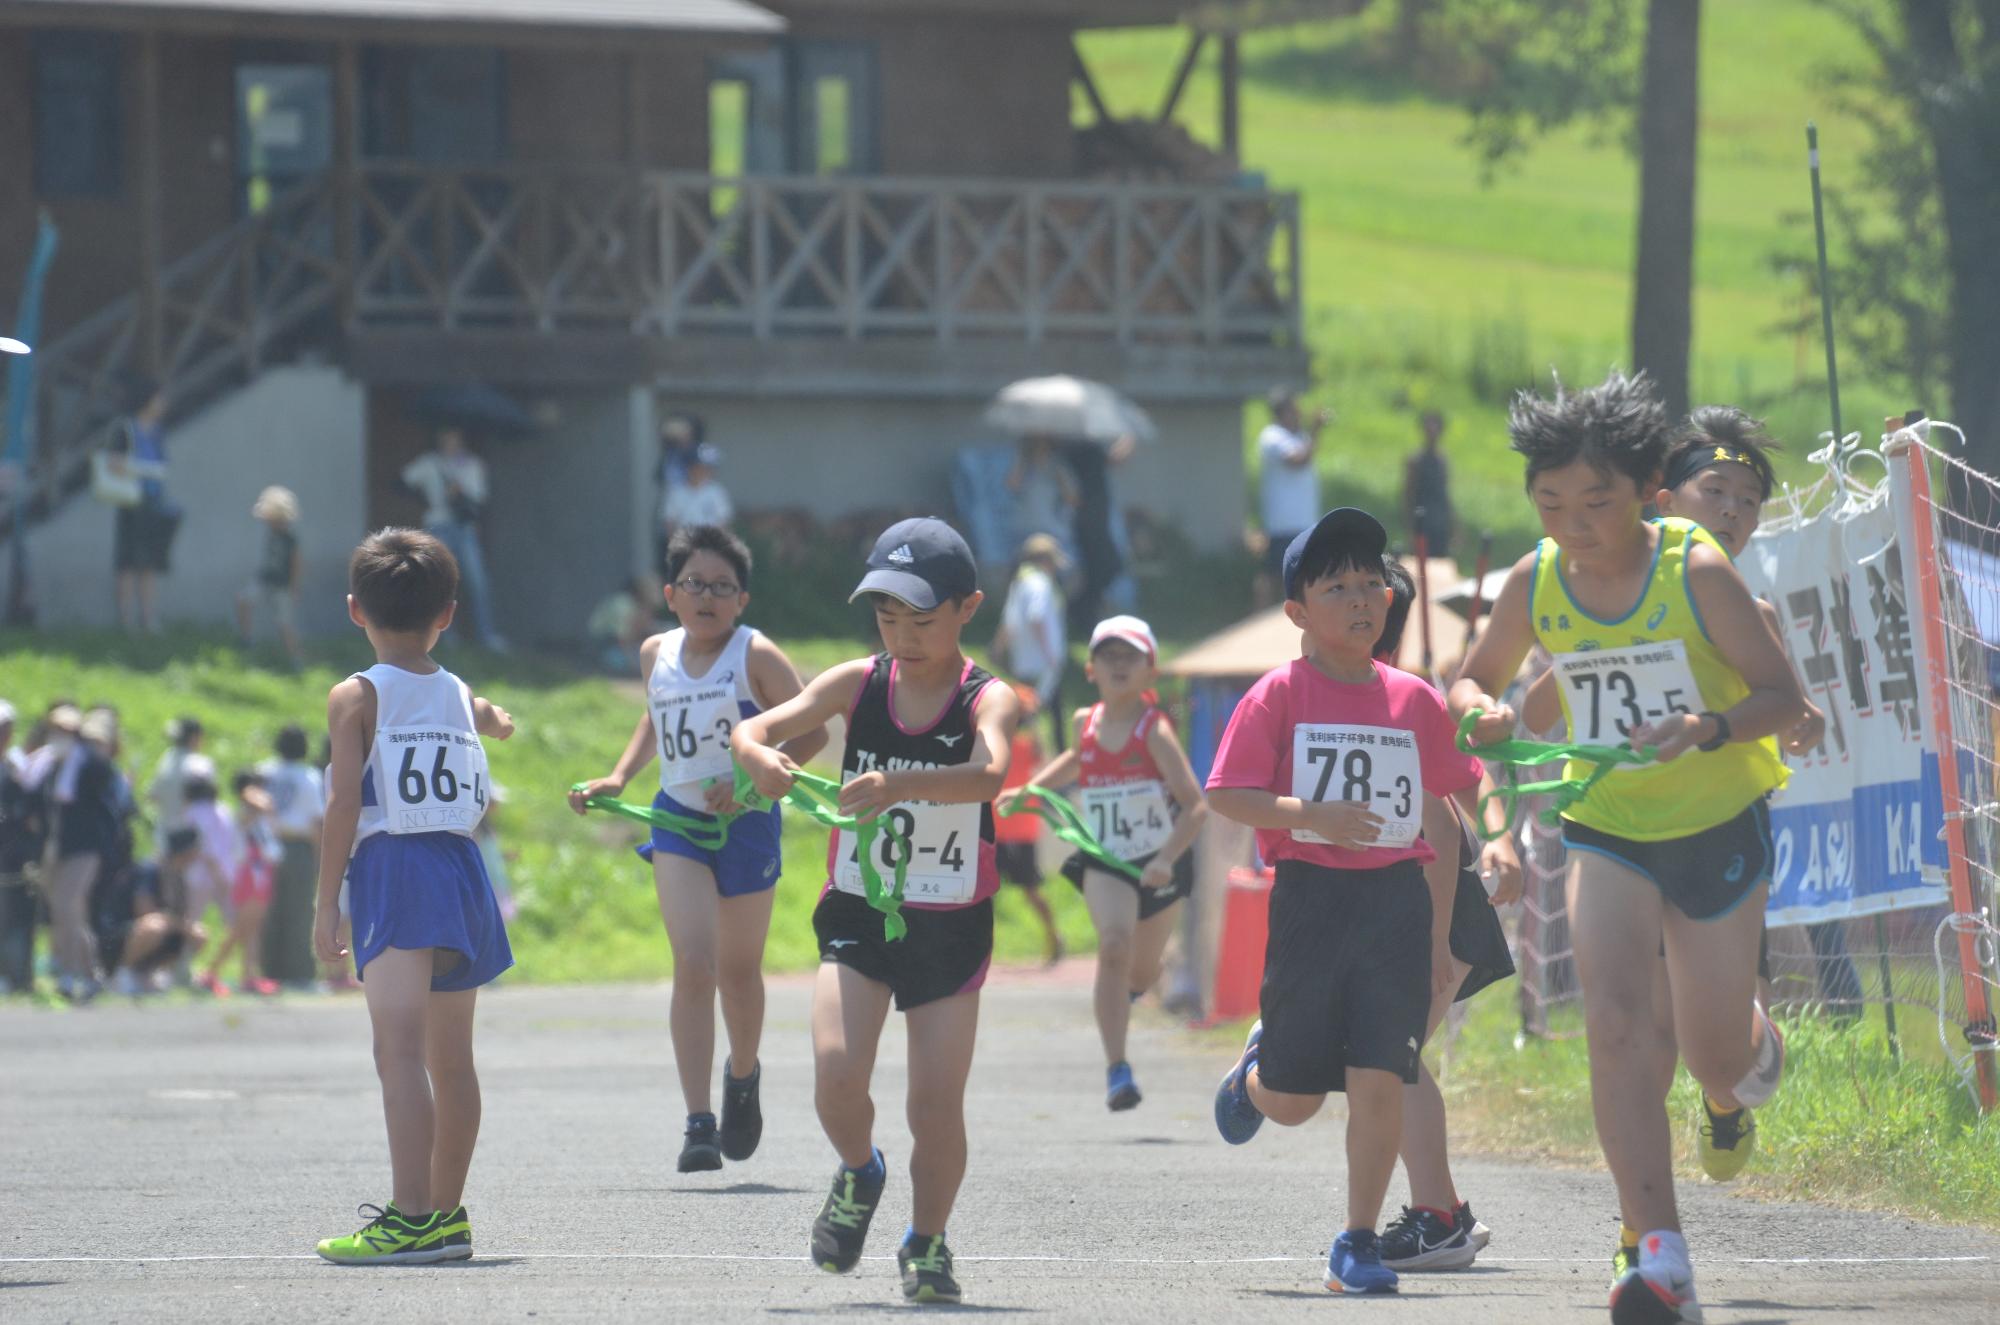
[
  {"x": 1121, "y": 1092},
  {"x": 1355, "y": 1265},
  {"x": 1235, "y": 1116}
]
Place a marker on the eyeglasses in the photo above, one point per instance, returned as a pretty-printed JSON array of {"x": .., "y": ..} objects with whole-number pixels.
[{"x": 708, "y": 589}]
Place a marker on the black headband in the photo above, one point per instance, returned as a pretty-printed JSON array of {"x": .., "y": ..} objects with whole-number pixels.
[{"x": 1697, "y": 458}]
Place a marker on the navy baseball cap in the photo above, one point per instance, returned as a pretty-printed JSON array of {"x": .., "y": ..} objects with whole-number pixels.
[
  {"x": 923, "y": 562},
  {"x": 1346, "y": 527}
]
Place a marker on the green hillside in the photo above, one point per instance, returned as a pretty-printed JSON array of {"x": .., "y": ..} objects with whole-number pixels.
[{"x": 1426, "y": 288}]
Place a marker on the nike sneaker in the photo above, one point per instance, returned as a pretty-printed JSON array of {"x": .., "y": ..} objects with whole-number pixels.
[
  {"x": 1236, "y": 1116},
  {"x": 1424, "y": 1240},
  {"x": 1355, "y": 1264},
  {"x": 1725, "y": 1140}
]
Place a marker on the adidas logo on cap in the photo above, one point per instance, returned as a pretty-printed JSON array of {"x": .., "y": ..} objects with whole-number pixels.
[{"x": 902, "y": 556}]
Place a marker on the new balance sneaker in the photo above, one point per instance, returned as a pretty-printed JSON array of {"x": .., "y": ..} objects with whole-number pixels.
[
  {"x": 389, "y": 1238},
  {"x": 1355, "y": 1264},
  {"x": 1659, "y": 1290},
  {"x": 842, "y": 1227},
  {"x": 1725, "y": 1140},
  {"x": 1421, "y": 1239},
  {"x": 699, "y": 1151},
  {"x": 1236, "y": 1116},
  {"x": 925, "y": 1264},
  {"x": 1475, "y": 1232},
  {"x": 1121, "y": 1092},
  {"x": 742, "y": 1113},
  {"x": 455, "y": 1232}
]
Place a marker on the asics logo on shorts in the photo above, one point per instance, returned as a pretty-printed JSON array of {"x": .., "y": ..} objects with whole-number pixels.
[{"x": 1734, "y": 873}]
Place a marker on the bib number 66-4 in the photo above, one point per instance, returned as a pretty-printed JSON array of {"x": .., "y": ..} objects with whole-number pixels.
[{"x": 441, "y": 785}]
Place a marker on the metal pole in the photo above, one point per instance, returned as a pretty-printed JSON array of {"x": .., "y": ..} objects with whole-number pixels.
[
  {"x": 1888, "y": 990},
  {"x": 1825, "y": 293}
]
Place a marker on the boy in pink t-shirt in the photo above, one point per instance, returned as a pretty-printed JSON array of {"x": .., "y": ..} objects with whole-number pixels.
[{"x": 1329, "y": 759}]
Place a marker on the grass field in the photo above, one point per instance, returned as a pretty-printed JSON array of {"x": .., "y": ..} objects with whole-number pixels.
[
  {"x": 1425, "y": 288},
  {"x": 587, "y": 905},
  {"x": 1849, "y": 1126}
]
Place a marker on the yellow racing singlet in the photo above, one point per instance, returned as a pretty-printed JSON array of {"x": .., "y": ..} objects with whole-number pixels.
[{"x": 1655, "y": 660}]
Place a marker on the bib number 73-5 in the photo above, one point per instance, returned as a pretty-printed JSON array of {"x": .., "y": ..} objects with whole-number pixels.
[
  {"x": 437, "y": 779},
  {"x": 1376, "y": 766},
  {"x": 1611, "y": 692}
]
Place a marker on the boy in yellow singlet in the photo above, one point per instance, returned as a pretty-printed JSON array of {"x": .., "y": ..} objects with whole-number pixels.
[{"x": 1657, "y": 642}]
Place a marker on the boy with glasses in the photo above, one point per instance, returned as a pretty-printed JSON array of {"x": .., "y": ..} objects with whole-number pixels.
[{"x": 702, "y": 678}]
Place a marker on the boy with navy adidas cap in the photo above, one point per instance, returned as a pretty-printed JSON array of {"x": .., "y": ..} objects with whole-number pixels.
[
  {"x": 1330, "y": 758},
  {"x": 929, "y": 739}
]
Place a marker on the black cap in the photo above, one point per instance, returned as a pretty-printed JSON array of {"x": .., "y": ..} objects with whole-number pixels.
[
  {"x": 1348, "y": 526},
  {"x": 923, "y": 562}
]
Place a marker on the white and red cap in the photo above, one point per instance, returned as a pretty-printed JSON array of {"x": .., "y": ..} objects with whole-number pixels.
[{"x": 1131, "y": 630}]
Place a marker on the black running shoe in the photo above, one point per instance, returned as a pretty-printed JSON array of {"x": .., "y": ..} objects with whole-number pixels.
[
  {"x": 1420, "y": 1240},
  {"x": 699, "y": 1152},
  {"x": 925, "y": 1264},
  {"x": 742, "y": 1114},
  {"x": 842, "y": 1227}
]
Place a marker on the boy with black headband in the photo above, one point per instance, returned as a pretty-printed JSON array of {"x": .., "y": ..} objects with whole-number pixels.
[
  {"x": 929, "y": 739},
  {"x": 1330, "y": 758}
]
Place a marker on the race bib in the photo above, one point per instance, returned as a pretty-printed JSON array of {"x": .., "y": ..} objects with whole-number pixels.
[
  {"x": 1130, "y": 818},
  {"x": 943, "y": 846},
  {"x": 1377, "y": 766},
  {"x": 693, "y": 727},
  {"x": 437, "y": 779},
  {"x": 1609, "y": 692}
]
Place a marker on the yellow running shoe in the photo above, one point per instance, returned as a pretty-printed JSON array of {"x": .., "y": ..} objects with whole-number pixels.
[{"x": 1726, "y": 1140}]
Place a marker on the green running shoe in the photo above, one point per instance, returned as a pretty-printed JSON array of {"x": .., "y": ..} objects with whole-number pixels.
[
  {"x": 456, "y": 1231},
  {"x": 390, "y": 1238},
  {"x": 1625, "y": 1260},
  {"x": 842, "y": 1227},
  {"x": 925, "y": 1264}
]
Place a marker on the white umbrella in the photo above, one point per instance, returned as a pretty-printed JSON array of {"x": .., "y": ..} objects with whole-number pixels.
[{"x": 1068, "y": 407}]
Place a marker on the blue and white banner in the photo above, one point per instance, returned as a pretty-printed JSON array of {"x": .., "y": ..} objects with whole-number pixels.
[{"x": 1855, "y": 831}]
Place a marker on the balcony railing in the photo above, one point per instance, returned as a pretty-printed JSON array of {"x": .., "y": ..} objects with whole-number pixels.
[{"x": 678, "y": 255}]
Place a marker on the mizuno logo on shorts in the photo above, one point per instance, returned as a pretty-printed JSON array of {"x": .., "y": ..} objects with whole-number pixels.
[{"x": 841, "y": 943}]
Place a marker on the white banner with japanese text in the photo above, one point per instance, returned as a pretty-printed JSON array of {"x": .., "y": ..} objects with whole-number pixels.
[{"x": 1855, "y": 831}]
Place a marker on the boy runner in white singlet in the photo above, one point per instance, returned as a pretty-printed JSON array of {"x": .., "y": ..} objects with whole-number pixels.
[{"x": 407, "y": 786}]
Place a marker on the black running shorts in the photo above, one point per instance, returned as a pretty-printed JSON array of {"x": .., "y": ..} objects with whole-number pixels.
[
  {"x": 1347, "y": 975},
  {"x": 1477, "y": 938},
  {"x": 1704, "y": 876},
  {"x": 945, "y": 952},
  {"x": 1152, "y": 901}
]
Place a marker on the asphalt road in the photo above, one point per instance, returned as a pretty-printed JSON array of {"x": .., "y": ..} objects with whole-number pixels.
[{"x": 178, "y": 1163}]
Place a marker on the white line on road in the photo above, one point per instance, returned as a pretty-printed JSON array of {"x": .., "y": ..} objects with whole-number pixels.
[{"x": 1048, "y": 1260}]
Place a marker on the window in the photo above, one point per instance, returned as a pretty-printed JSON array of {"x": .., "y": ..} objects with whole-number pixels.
[
  {"x": 834, "y": 108},
  {"x": 446, "y": 105},
  {"x": 78, "y": 115}
]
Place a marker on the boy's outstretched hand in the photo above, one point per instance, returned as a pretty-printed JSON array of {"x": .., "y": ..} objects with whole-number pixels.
[
  {"x": 489, "y": 719},
  {"x": 867, "y": 795},
  {"x": 772, "y": 772}
]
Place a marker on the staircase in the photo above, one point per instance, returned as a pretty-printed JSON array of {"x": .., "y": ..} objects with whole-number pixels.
[{"x": 264, "y": 288}]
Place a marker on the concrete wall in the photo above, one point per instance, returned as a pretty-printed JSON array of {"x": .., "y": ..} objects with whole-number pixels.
[
  {"x": 834, "y": 456},
  {"x": 560, "y": 531},
  {"x": 302, "y": 427}
]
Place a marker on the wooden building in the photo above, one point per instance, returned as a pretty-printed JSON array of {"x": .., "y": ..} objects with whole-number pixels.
[{"x": 831, "y": 226}]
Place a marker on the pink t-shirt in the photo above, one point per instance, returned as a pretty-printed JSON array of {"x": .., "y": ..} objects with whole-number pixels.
[{"x": 1299, "y": 732}]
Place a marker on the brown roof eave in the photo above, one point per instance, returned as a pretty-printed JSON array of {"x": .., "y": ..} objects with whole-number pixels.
[
  {"x": 1078, "y": 14},
  {"x": 208, "y": 21}
]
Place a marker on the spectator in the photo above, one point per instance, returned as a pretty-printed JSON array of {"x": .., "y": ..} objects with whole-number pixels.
[
  {"x": 1045, "y": 491},
  {"x": 700, "y": 498},
  {"x": 1287, "y": 482},
  {"x": 250, "y": 889},
  {"x": 92, "y": 810},
  {"x": 1427, "y": 491},
  {"x": 139, "y": 923},
  {"x": 452, "y": 482},
  {"x": 1099, "y": 528},
  {"x": 1030, "y": 643},
  {"x": 21, "y": 834},
  {"x": 143, "y": 535},
  {"x": 681, "y": 432},
  {"x": 209, "y": 875},
  {"x": 619, "y": 624},
  {"x": 298, "y": 803},
  {"x": 184, "y": 740},
  {"x": 280, "y": 567}
]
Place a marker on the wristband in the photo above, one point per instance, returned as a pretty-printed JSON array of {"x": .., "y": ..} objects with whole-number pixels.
[{"x": 1721, "y": 737}]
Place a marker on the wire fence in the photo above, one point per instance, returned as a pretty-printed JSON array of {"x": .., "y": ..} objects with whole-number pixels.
[{"x": 1909, "y": 966}]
